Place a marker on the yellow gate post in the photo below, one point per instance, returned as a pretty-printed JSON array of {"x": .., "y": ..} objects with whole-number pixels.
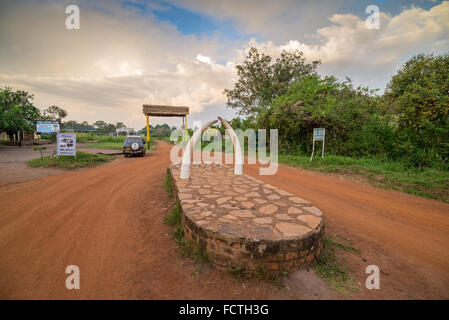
[
  {"x": 166, "y": 111},
  {"x": 148, "y": 133},
  {"x": 184, "y": 131}
]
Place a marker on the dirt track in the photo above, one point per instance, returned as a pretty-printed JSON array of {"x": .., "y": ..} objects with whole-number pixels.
[
  {"x": 109, "y": 222},
  {"x": 407, "y": 237}
]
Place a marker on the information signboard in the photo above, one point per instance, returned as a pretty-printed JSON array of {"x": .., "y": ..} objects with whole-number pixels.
[
  {"x": 66, "y": 144},
  {"x": 318, "y": 135},
  {"x": 47, "y": 127}
]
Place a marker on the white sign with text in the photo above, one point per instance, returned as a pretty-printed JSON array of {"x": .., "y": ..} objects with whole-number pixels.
[
  {"x": 318, "y": 135},
  {"x": 66, "y": 144}
]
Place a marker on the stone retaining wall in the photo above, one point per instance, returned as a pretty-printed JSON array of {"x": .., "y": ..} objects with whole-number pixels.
[{"x": 241, "y": 221}]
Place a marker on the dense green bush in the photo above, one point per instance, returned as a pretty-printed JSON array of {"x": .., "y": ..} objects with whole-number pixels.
[
  {"x": 419, "y": 95},
  {"x": 50, "y": 137},
  {"x": 314, "y": 102},
  {"x": 376, "y": 138},
  {"x": 408, "y": 123}
]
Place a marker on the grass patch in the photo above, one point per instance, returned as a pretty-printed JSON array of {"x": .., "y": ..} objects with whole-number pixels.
[
  {"x": 261, "y": 273},
  {"x": 82, "y": 160},
  {"x": 193, "y": 251},
  {"x": 331, "y": 266},
  {"x": 168, "y": 184},
  {"x": 114, "y": 145},
  {"x": 91, "y": 137},
  {"x": 174, "y": 219},
  {"x": 105, "y": 145},
  {"x": 186, "y": 248},
  {"x": 425, "y": 182}
]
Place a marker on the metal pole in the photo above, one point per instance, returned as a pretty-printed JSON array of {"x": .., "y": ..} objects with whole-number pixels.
[
  {"x": 322, "y": 152},
  {"x": 57, "y": 146},
  {"x": 313, "y": 150}
]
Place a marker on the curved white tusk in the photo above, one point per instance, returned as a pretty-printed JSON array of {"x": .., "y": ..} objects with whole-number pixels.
[
  {"x": 185, "y": 164},
  {"x": 238, "y": 166}
]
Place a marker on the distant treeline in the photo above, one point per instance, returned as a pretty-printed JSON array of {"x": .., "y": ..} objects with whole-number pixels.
[{"x": 158, "y": 131}]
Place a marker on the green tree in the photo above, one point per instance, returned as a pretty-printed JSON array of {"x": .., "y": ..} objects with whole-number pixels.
[
  {"x": 17, "y": 113},
  {"x": 143, "y": 131},
  {"x": 261, "y": 80},
  {"x": 86, "y": 124},
  {"x": 313, "y": 102},
  {"x": 54, "y": 113},
  {"x": 419, "y": 94},
  {"x": 100, "y": 124},
  {"x": 120, "y": 125},
  {"x": 71, "y": 123},
  {"x": 163, "y": 130},
  {"x": 104, "y": 127}
]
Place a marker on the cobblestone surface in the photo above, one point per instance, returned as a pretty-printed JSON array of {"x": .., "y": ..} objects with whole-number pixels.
[{"x": 244, "y": 222}]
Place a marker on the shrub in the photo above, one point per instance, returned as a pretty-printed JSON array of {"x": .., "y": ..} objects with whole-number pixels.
[{"x": 316, "y": 102}]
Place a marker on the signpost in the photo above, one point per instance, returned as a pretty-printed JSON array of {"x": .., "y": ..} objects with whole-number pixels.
[
  {"x": 66, "y": 144},
  {"x": 318, "y": 135},
  {"x": 48, "y": 127},
  {"x": 40, "y": 149}
]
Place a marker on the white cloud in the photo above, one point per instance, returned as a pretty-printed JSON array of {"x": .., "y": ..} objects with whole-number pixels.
[
  {"x": 117, "y": 61},
  {"x": 348, "y": 48},
  {"x": 120, "y": 59},
  {"x": 280, "y": 20}
]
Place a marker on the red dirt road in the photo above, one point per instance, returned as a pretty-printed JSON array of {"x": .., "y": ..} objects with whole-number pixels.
[
  {"x": 407, "y": 237},
  {"x": 109, "y": 222}
]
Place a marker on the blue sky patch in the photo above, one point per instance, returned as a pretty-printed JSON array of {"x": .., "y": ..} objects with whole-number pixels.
[{"x": 190, "y": 22}]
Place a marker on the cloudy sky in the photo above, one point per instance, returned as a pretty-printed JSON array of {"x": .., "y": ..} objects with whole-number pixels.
[{"x": 183, "y": 52}]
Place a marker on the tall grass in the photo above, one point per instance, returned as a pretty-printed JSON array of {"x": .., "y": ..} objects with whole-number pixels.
[
  {"x": 68, "y": 162},
  {"x": 331, "y": 266},
  {"x": 90, "y": 137},
  {"x": 396, "y": 175}
]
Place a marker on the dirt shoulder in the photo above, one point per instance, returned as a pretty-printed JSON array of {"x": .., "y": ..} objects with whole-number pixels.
[
  {"x": 405, "y": 236},
  {"x": 14, "y": 162}
]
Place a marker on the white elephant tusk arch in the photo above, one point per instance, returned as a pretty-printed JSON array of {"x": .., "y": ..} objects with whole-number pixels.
[
  {"x": 185, "y": 164},
  {"x": 238, "y": 165}
]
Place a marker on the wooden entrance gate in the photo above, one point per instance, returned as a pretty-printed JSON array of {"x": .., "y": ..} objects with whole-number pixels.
[{"x": 166, "y": 111}]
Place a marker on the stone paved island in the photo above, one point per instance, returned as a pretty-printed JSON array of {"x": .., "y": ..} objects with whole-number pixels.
[{"x": 241, "y": 221}]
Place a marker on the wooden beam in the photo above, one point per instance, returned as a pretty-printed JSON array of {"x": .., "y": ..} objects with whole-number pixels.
[{"x": 165, "y": 111}]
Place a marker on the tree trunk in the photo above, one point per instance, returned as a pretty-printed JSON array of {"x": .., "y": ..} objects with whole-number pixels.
[
  {"x": 20, "y": 137},
  {"x": 11, "y": 138}
]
